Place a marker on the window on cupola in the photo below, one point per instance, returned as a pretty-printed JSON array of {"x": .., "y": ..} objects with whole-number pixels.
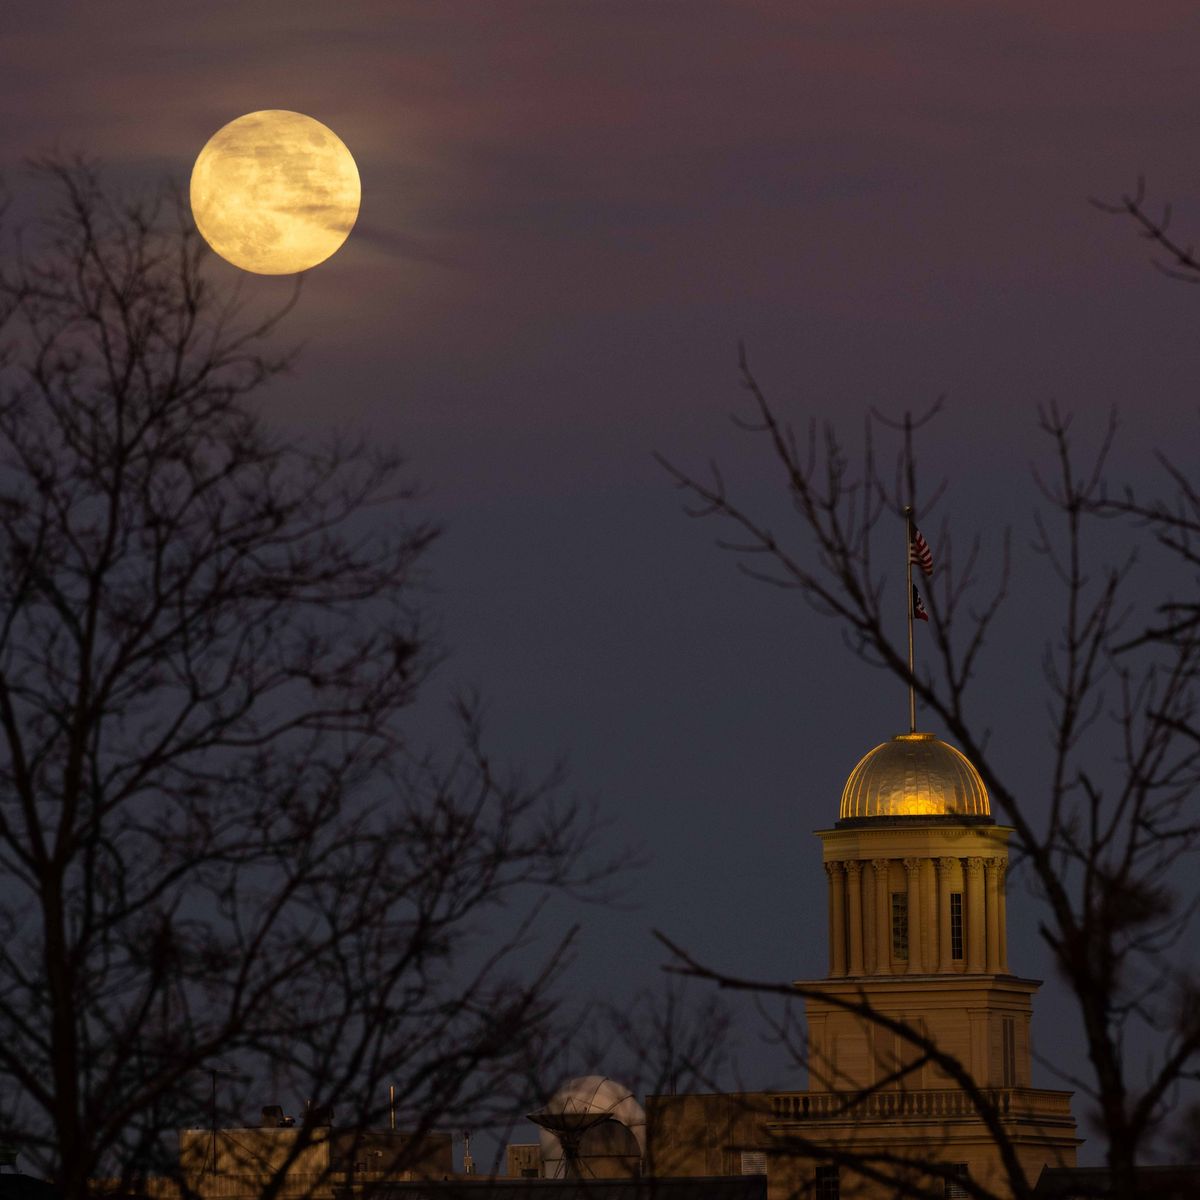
[
  {"x": 956, "y": 926},
  {"x": 829, "y": 1184},
  {"x": 956, "y": 1185},
  {"x": 900, "y": 926}
]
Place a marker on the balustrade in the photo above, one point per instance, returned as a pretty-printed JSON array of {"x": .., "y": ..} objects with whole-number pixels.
[{"x": 931, "y": 1103}]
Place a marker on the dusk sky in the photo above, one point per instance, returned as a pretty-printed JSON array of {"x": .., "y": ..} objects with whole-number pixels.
[{"x": 572, "y": 211}]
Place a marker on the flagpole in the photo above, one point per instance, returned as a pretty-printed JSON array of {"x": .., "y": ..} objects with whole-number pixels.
[{"x": 912, "y": 691}]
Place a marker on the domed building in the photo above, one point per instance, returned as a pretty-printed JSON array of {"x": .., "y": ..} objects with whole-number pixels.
[
  {"x": 917, "y": 934},
  {"x": 916, "y": 867},
  {"x": 591, "y": 1128}
]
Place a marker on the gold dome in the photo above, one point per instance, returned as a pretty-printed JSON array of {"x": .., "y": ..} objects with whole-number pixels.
[{"x": 914, "y": 775}]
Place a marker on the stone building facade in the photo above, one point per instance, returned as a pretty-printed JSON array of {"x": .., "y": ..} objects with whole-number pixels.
[{"x": 918, "y": 937}]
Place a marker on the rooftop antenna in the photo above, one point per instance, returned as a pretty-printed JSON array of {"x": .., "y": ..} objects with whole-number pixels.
[
  {"x": 577, "y": 1108},
  {"x": 569, "y": 1126}
]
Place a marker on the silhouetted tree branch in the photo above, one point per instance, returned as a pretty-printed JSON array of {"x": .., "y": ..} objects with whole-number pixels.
[
  {"x": 1114, "y": 826},
  {"x": 218, "y": 849},
  {"x": 1181, "y": 261}
]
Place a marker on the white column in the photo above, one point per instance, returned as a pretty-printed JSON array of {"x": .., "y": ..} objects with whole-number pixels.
[
  {"x": 869, "y": 914},
  {"x": 993, "y": 915},
  {"x": 854, "y": 915},
  {"x": 883, "y": 917},
  {"x": 912, "y": 870},
  {"x": 1002, "y": 888},
  {"x": 837, "y": 919},
  {"x": 944, "y": 868},
  {"x": 929, "y": 914},
  {"x": 975, "y": 921}
]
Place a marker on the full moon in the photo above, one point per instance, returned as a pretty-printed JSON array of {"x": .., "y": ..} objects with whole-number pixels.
[{"x": 275, "y": 192}]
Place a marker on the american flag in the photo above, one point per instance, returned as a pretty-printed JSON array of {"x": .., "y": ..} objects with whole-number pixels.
[
  {"x": 919, "y": 553},
  {"x": 918, "y": 608}
]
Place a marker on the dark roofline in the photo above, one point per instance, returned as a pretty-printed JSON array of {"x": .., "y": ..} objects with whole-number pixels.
[
  {"x": 718, "y": 1187},
  {"x": 1168, "y": 1181},
  {"x": 894, "y": 819}
]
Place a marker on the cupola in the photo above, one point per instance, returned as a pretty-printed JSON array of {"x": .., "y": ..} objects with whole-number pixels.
[{"x": 914, "y": 775}]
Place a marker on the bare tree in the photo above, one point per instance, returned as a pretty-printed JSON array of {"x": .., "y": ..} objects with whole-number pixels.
[
  {"x": 218, "y": 852},
  {"x": 1108, "y": 837}
]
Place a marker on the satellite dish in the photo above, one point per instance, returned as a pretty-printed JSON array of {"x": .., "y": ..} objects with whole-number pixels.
[{"x": 579, "y": 1122}]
